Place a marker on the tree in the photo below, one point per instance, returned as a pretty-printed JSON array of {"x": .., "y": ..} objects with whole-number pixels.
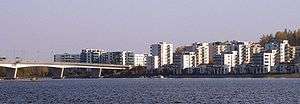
[
  {"x": 266, "y": 39},
  {"x": 292, "y": 36}
]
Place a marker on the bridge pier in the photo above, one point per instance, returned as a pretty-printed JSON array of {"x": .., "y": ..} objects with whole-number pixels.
[
  {"x": 15, "y": 73},
  {"x": 62, "y": 73},
  {"x": 59, "y": 73},
  {"x": 11, "y": 73},
  {"x": 99, "y": 73}
]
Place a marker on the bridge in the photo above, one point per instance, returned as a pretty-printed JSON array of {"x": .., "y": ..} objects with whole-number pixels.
[{"x": 14, "y": 66}]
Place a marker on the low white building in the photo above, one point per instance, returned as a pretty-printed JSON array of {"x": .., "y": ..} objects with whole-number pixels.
[{"x": 207, "y": 70}]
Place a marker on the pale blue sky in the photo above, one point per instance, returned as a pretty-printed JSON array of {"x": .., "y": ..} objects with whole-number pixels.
[{"x": 44, "y": 27}]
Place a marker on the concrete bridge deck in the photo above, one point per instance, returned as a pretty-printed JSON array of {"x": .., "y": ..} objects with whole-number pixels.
[{"x": 12, "y": 73}]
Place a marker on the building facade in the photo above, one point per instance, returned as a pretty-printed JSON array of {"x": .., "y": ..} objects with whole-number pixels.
[
  {"x": 267, "y": 60},
  {"x": 118, "y": 58},
  {"x": 184, "y": 60},
  {"x": 287, "y": 52},
  {"x": 203, "y": 53},
  {"x": 66, "y": 57},
  {"x": 152, "y": 63},
  {"x": 229, "y": 60},
  {"x": 140, "y": 59},
  {"x": 91, "y": 55},
  {"x": 164, "y": 51}
]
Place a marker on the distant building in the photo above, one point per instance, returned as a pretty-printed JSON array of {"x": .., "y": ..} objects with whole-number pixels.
[
  {"x": 184, "y": 60},
  {"x": 140, "y": 59},
  {"x": 297, "y": 56},
  {"x": 209, "y": 69},
  {"x": 183, "y": 49},
  {"x": 244, "y": 55},
  {"x": 271, "y": 46},
  {"x": 91, "y": 55},
  {"x": 203, "y": 53},
  {"x": 118, "y": 58},
  {"x": 220, "y": 47},
  {"x": 66, "y": 57},
  {"x": 2, "y": 58},
  {"x": 267, "y": 60},
  {"x": 287, "y": 52},
  {"x": 164, "y": 51},
  {"x": 152, "y": 63},
  {"x": 229, "y": 60},
  {"x": 254, "y": 49}
]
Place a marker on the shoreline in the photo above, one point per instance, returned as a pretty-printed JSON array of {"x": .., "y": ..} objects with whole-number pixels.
[
  {"x": 272, "y": 75},
  {"x": 294, "y": 75}
]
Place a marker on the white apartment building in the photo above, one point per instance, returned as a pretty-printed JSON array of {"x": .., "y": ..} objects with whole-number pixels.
[
  {"x": 164, "y": 51},
  {"x": 184, "y": 60},
  {"x": 91, "y": 55},
  {"x": 287, "y": 52},
  {"x": 229, "y": 60},
  {"x": 267, "y": 60},
  {"x": 219, "y": 48},
  {"x": 255, "y": 48},
  {"x": 244, "y": 53},
  {"x": 140, "y": 59},
  {"x": 203, "y": 53},
  {"x": 66, "y": 57}
]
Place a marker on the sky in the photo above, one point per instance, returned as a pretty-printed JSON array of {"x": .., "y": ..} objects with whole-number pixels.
[{"x": 38, "y": 29}]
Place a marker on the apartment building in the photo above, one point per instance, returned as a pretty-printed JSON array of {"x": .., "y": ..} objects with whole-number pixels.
[
  {"x": 91, "y": 55},
  {"x": 203, "y": 53},
  {"x": 140, "y": 59},
  {"x": 229, "y": 60},
  {"x": 267, "y": 60},
  {"x": 164, "y": 51},
  {"x": 184, "y": 60},
  {"x": 287, "y": 52},
  {"x": 152, "y": 63},
  {"x": 118, "y": 58},
  {"x": 66, "y": 57}
]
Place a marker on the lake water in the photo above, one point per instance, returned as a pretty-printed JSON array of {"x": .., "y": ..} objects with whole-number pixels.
[{"x": 249, "y": 91}]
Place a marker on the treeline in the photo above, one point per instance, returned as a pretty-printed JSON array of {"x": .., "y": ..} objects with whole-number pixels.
[
  {"x": 137, "y": 71},
  {"x": 293, "y": 36}
]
